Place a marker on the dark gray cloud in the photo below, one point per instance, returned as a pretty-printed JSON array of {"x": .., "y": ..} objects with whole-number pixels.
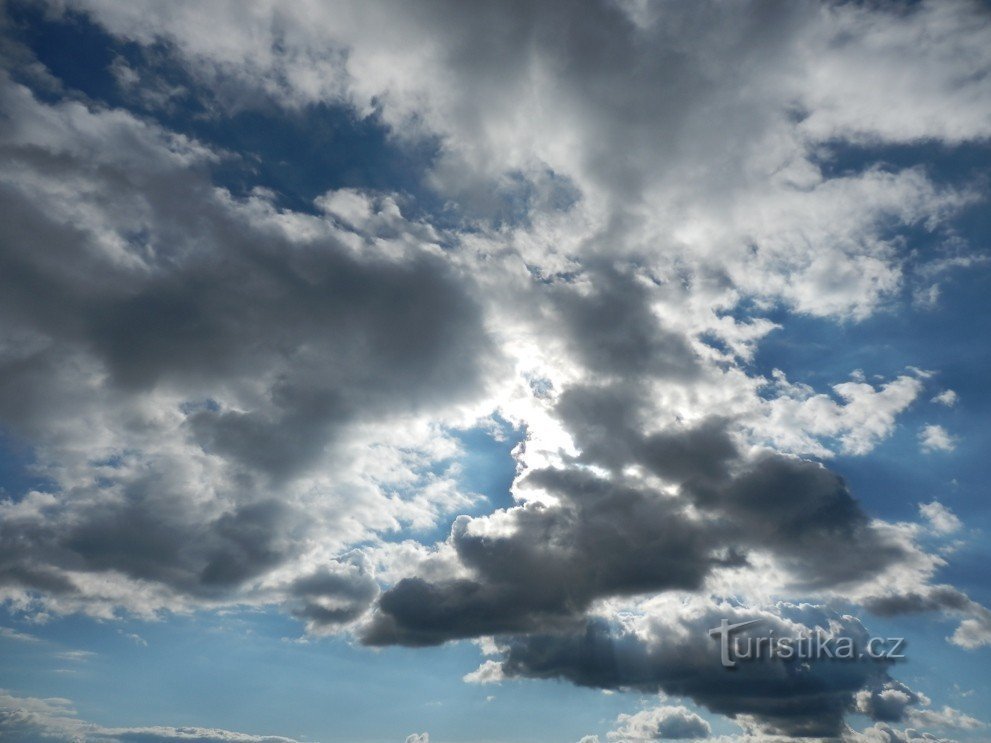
[
  {"x": 888, "y": 703},
  {"x": 548, "y": 563},
  {"x": 682, "y": 727},
  {"x": 798, "y": 509},
  {"x": 607, "y": 422},
  {"x": 331, "y": 597},
  {"x": 614, "y": 332},
  {"x": 974, "y": 631},
  {"x": 936, "y": 598},
  {"x": 181, "y": 359},
  {"x": 532, "y": 574},
  {"x": 147, "y": 287},
  {"x": 553, "y": 562},
  {"x": 661, "y": 723},
  {"x": 678, "y": 657}
]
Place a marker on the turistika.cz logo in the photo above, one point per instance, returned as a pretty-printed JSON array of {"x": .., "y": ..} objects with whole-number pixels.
[{"x": 815, "y": 645}]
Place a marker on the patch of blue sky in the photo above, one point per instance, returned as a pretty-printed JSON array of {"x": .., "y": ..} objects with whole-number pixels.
[
  {"x": 246, "y": 671},
  {"x": 18, "y": 469},
  {"x": 944, "y": 163},
  {"x": 484, "y": 467}
]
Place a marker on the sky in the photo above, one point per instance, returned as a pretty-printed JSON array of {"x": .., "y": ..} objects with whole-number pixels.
[{"x": 443, "y": 372}]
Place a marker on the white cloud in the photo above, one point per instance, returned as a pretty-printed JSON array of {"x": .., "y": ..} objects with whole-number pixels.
[
  {"x": 974, "y": 632},
  {"x": 490, "y": 672},
  {"x": 933, "y": 437},
  {"x": 946, "y": 397},
  {"x": 666, "y": 722},
  {"x": 941, "y": 519},
  {"x": 797, "y": 417}
]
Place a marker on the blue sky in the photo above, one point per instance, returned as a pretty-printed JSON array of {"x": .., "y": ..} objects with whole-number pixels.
[{"x": 441, "y": 373}]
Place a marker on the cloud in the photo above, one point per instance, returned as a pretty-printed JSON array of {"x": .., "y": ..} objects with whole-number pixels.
[
  {"x": 490, "y": 672},
  {"x": 739, "y": 194},
  {"x": 133, "y": 637},
  {"x": 185, "y": 390},
  {"x": 941, "y": 519},
  {"x": 882, "y": 733},
  {"x": 239, "y": 402},
  {"x": 9, "y": 633},
  {"x": 946, "y": 397},
  {"x": 895, "y": 700},
  {"x": 975, "y": 629},
  {"x": 333, "y": 596},
  {"x": 660, "y": 723},
  {"x": 890, "y": 703},
  {"x": 54, "y": 720},
  {"x": 974, "y": 632},
  {"x": 936, "y": 438},
  {"x": 538, "y": 566},
  {"x": 670, "y": 650}
]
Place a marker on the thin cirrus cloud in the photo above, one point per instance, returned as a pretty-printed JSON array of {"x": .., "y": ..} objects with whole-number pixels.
[
  {"x": 238, "y": 399},
  {"x": 53, "y": 720}
]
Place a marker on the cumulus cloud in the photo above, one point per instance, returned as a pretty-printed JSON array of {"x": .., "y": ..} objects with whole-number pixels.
[
  {"x": 240, "y": 402},
  {"x": 948, "y": 398},
  {"x": 669, "y": 650},
  {"x": 538, "y": 565},
  {"x": 941, "y": 519},
  {"x": 189, "y": 388},
  {"x": 660, "y": 723},
  {"x": 933, "y": 438},
  {"x": 888, "y": 703},
  {"x": 799, "y": 417}
]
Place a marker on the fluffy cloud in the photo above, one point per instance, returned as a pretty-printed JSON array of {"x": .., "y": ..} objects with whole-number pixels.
[
  {"x": 946, "y": 397},
  {"x": 889, "y": 703},
  {"x": 235, "y": 401},
  {"x": 660, "y": 723},
  {"x": 536, "y": 565},
  {"x": 936, "y": 438},
  {"x": 798, "y": 417},
  {"x": 941, "y": 519},
  {"x": 188, "y": 366}
]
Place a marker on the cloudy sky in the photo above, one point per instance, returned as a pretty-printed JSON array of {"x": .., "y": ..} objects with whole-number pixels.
[{"x": 441, "y": 372}]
